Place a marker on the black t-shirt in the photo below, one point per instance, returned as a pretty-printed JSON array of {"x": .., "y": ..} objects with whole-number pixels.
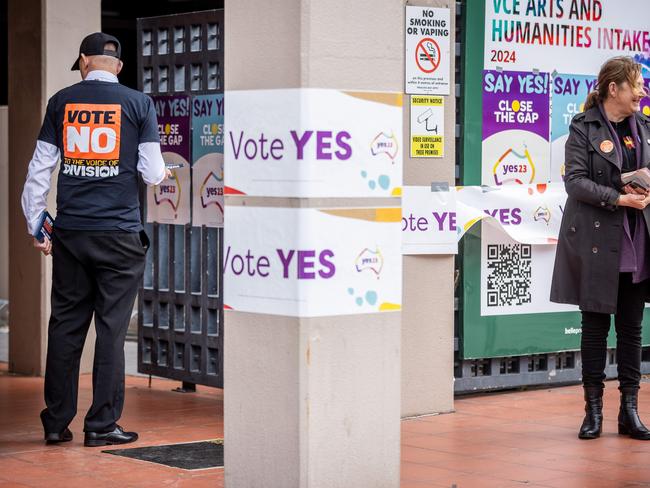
[
  {"x": 97, "y": 126},
  {"x": 628, "y": 148},
  {"x": 628, "y": 145}
]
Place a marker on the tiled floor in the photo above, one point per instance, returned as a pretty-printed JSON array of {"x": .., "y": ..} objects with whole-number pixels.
[
  {"x": 498, "y": 440},
  {"x": 159, "y": 415}
]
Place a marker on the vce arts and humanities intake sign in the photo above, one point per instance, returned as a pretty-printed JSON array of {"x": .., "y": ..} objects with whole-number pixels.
[{"x": 428, "y": 32}]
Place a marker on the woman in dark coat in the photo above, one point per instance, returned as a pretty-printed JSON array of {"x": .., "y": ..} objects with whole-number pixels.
[{"x": 603, "y": 262}]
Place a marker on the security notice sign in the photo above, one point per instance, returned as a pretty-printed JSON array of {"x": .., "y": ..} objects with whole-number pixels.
[
  {"x": 427, "y": 127},
  {"x": 428, "y": 31}
]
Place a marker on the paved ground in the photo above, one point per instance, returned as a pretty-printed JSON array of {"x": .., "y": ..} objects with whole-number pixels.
[
  {"x": 497, "y": 440},
  {"x": 158, "y": 414}
]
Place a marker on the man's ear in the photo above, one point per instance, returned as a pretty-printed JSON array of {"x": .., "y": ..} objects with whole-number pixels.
[
  {"x": 83, "y": 66},
  {"x": 120, "y": 64}
]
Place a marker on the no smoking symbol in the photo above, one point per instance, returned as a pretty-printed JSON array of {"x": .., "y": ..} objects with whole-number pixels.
[{"x": 427, "y": 55}]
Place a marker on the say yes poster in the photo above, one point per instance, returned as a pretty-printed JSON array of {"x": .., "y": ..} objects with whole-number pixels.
[
  {"x": 207, "y": 154},
  {"x": 515, "y": 127},
  {"x": 569, "y": 95},
  {"x": 169, "y": 202}
]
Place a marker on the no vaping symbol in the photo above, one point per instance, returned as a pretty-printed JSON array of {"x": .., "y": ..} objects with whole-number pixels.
[{"x": 427, "y": 55}]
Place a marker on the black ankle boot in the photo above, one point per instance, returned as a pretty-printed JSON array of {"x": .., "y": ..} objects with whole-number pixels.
[
  {"x": 629, "y": 422},
  {"x": 592, "y": 425}
]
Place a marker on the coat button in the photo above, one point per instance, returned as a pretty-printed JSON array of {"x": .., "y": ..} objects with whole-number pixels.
[
  {"x": 594, "y": 250},
  {"x": 596, "y": 224},
  {"x": 600, "y": 172},
  {"x": 572, "y": 229},
  {"x": 602, "y": 204}
]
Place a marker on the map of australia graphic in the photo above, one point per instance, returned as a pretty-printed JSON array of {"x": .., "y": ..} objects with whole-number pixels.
[
  {"x": 515, "y": 157},
  {"x": 514, "y": 167}
]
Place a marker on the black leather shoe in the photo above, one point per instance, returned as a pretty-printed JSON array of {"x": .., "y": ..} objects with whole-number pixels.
[
  {"x": 592, "y": 425},
  {"x": 56, "y": 437},
  {"x": 117, "y": 436},
  {"x": 629, "y": 422}
]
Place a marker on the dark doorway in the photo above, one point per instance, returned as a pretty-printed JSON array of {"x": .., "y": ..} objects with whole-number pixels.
[{"x": 119, "y": 19}]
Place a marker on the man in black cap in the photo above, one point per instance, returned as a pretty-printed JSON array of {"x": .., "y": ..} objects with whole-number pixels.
[
  {"x": 106, "y": 136},
  {"x": 98, "y": 44}
]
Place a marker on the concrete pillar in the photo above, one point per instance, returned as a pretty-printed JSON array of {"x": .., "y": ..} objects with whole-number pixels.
[
  {"x": 428, "y": 307},
  {"x": 4, "y": 203},
  {"x": 312, "y": 402},
  {"x": 44, "y": 37}
]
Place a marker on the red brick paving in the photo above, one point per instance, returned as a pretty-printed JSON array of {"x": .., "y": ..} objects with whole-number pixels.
[{"x": 498, "y": 440}]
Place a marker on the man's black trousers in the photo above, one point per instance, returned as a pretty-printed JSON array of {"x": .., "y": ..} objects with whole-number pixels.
[{"x": 94, "y": 272}]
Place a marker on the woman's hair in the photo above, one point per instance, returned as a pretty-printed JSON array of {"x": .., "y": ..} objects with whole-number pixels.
[{"x": 618, "y": 70}]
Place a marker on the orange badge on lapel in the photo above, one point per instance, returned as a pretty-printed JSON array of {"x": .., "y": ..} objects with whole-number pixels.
[{"x": 607, "y": 146}]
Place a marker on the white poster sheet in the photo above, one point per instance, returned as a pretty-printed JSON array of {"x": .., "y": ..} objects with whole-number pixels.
[
  {"x": 313, "y": 143},
  {"x": 310, "y": 262}
]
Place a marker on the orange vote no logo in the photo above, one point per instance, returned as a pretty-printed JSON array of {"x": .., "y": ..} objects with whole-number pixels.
[{"x": 92, "y": 131}]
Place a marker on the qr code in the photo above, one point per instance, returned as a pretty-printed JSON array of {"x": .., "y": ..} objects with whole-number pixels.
[{"x": 509, "y": 269}]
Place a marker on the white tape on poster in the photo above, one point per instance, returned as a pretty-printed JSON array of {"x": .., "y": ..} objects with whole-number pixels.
[
  {"x": 433, "y": 222},
  {"x": 307, "y": 262},
  {"x": 527, "y": 213},
  {"x": 313, "y": 143}
]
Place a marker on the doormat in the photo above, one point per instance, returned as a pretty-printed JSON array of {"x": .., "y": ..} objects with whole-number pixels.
[{"x": 191, "y": 455}]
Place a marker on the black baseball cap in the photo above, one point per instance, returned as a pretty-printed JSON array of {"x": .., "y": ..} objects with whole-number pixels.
[{"x": 93, "y": 45}]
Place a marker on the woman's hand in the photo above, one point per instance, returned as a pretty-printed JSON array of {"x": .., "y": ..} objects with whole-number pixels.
[
  {"x": 630, "y": 190},
  {"x": 633, "y": 200}
]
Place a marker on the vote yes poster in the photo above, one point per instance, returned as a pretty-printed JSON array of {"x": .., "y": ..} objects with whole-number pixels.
[
  {"x": 207, "y": 155},
  {"x": 312, "y": 262},
  {"x": 515, "y": 127},
  {"x": 429, "y": 220},
  {"x": 169, "y": 202},
  {"x": 434, "y": 220},
  {"x": 313, "y": 143}
]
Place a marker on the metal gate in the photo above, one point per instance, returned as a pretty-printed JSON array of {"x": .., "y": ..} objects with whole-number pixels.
[{"x": 180, "y": 305}]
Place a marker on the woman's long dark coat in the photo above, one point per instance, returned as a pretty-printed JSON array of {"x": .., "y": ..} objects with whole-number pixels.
[{"x": 588, "y": 252}]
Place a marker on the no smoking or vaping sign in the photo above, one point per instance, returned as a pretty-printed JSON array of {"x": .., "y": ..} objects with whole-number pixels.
[{"x": 427, "y": 51}]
